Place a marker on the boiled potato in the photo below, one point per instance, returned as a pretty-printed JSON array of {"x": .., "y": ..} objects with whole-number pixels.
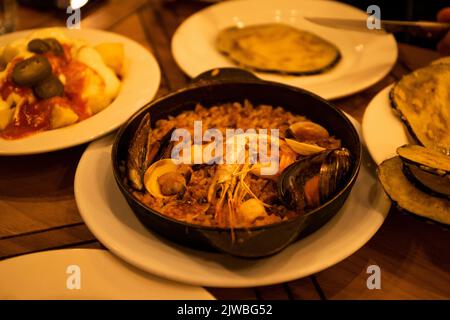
[
  {"x": 94, "y": 92},
  {"x": 110, "y": 84},
  {"x": 62, "y": 117},
  {"x": 113, "y": 55},
  {"x": 14, "y": 49}
]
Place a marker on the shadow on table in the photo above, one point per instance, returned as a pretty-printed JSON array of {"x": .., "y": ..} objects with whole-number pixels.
[{"x": 42, "y": 175}]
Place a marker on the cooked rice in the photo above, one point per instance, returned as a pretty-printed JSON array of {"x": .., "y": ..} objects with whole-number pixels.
[{"x": 193, "y": 206}]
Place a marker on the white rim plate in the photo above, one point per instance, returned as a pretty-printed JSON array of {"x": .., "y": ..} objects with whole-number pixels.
[
  {"x": 139, "y": 86},
  {"x": 44, "y": 276},
  {"x": 382, "y": 130},
  {"x": 365, "y": 59},
  {"x": 108, "y": 216}
]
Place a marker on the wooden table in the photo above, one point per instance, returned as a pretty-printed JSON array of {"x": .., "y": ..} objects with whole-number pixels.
[{"x": 38, "y": 210}]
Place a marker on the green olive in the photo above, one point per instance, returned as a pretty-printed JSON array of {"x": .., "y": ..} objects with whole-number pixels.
[
  {"x": 55, "y": 46},
  {"x": 30, "y": 71},
  {"x": 38, "y": 46},
  {"x": 49, "y": 87}
]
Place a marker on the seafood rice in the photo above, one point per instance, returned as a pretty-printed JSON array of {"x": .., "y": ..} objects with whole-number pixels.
[{"x": 311, "y": 167}]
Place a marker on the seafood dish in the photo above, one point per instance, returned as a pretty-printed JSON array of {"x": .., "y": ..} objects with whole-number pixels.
[
  {"x": 422, "y": 101},
  {"x": 277, "y": 48},
  {"x": 311, "y": 167},
  {"x": 418, "y": 179},
  {"x": 49, "y": 80},
  {"x": 187, "y": 179}
]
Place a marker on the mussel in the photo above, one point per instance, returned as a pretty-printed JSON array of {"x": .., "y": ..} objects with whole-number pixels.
[
  {"x": 427, "y": 168},
  {"x": 406, "y": 196},
  {"x": 307, "y": 131},
  {"x": 311, "y": 181},
  {"x": 142, "y": 152}
]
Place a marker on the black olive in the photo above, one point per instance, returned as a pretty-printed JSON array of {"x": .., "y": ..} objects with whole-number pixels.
[
  {"x": 38, "y": 46},
  {"x": 30, "y": 71},
  {"x": 55, "y": 46},
  {"x": 49, "y": 87}
]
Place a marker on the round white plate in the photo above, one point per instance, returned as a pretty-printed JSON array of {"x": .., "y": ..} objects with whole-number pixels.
[
  {"x": 139, "y": 86},
  {"x": 50, "y": 274},
  {"x": 365, "y": 59},
  {"x": 111, "y": 220},
  {"x": 382, "y": 129}
]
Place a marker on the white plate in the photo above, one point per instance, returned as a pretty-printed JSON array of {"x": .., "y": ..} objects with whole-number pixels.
[
  {"x": 139, "y": 86},
  {"x": 365, "y": 58},
  {"x": 382, "y": 129},
  {"x": 111, "y": 220},
  {"x": 44, "y": 275}
]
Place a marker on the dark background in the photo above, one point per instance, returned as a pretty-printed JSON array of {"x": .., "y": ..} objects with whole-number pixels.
[
  {"x": 403, "y": 9},
  {"x": 412, "y": 10},
  {"x": 390, "y": 10}
]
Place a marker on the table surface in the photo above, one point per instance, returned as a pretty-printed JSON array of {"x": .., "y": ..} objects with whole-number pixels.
[{"x": 38, "y": 210}]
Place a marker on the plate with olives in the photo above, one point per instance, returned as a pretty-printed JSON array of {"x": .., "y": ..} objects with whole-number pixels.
[{"x": 60, "y": 88}]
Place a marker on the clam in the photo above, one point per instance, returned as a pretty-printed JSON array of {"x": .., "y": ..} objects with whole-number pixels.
[
  {"x": 426, "y": 168},
  {"x": 307, "y": 130},
  {"x": 301, "y": 137},
  {"x": 311, "y": 181},
  {"x": 161, "y": 179},
  {"x": 302, "y": 148},
  {"x": 142, "y": 152}
]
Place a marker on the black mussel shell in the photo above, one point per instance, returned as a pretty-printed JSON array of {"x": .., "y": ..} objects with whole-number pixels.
[{"x": 331, "y": 166}]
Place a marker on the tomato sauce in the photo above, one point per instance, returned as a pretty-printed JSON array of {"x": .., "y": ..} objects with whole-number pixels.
[{"x": 34, "y": 115}]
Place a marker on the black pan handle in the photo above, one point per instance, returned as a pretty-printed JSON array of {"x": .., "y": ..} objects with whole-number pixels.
[{"x": 224, "y": 74}]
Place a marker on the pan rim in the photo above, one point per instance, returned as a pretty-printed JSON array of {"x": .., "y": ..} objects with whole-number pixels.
[{"x": 218, "y": 82}]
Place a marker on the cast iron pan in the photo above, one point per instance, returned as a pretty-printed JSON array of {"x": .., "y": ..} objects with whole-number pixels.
[{"x": 235, "y": 85}]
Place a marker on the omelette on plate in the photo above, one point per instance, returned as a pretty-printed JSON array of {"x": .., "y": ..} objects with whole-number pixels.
[{"x": 278, "y": 48}]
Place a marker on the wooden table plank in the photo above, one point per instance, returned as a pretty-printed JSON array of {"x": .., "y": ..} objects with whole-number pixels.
[
  {"x": 28, "y": 18},
  {"x": 158, "y": 36},
  {"x": 103, "y": 15},
  {"x": 305, "y": 289},
  {"x": 412, "y": 57},
  {"x": 273, "y": 292},
  {"x": 131, "y": 27},
  {"x": 53, "y": 239},
  {"x": 413, "y": 257},
  {"x": 36, "y": 192},
  {"x": 233, "y": 294},
  {"x": 90, "y": 245}
]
